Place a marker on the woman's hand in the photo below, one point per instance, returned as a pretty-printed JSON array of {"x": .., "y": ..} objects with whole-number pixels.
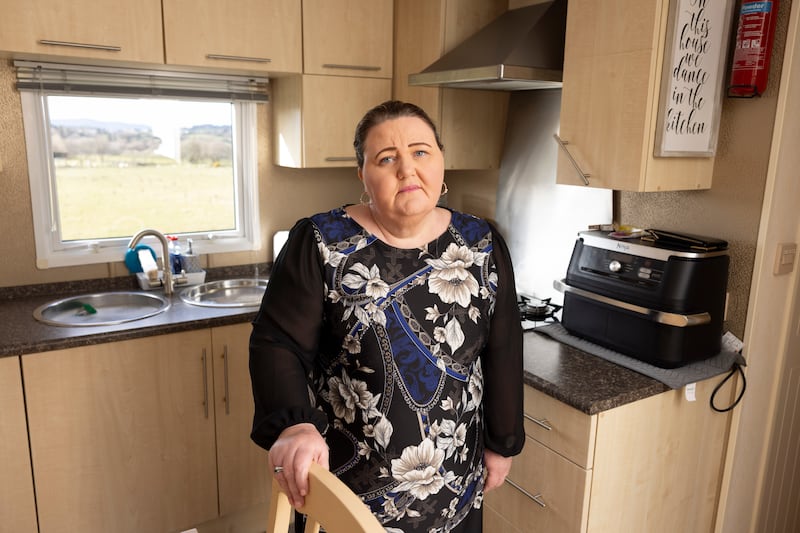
[
  {"x": 497, "y": 468},
  {"x": 296, "y": 448}
]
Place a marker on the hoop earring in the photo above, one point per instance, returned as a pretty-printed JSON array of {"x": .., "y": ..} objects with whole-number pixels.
[
  {"x": 445, "y": 190},
  {"x": 364, "y": 199}
]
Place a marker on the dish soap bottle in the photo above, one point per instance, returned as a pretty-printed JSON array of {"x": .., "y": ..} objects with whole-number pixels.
[{"x": 175, "y": 261}]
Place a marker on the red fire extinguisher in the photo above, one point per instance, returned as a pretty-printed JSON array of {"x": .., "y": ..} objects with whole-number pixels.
[{"x": 754, "y": 36}]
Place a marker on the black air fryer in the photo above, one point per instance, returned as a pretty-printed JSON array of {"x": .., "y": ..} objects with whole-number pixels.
[{"x": 659, "y": 298}]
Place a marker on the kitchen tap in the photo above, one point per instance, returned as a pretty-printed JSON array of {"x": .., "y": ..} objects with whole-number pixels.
[{"x": 165, "y": 263}]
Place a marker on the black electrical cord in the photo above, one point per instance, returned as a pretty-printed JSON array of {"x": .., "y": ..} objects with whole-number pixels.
[{"x": 736, "y": 368}]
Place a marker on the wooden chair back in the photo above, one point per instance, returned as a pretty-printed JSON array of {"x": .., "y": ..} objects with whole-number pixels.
[{"x": 329, "y": 503}]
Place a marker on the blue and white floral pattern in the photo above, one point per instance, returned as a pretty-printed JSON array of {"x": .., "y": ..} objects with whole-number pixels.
[{"x": 404, "y": 387}]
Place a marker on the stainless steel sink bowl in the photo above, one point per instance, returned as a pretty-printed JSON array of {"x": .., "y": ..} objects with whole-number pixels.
[
  {"x": 101, "y": 309},
  {"x": 246, "y": 292}
]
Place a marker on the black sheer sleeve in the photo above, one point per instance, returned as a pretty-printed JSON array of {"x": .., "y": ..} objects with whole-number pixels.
[
  {"x": 502, "y": 362},
  {"x": 285, "y": 337}
]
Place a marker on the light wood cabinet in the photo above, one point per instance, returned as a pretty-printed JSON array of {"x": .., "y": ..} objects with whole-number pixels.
[
  {"x": 257, "y": 35},
  {"x": 348, "y": 37},
  {"x": 149, "y": 434},
  {"x": 242, "y": 465},
  {"x": 652, "y": 465},
  {"x": 347, "y": 50},
  {"x": 122, "y": 435},
  {"x": 123, "y": 30},
  {"x": 316, "y": 117},
  {"x": 471, "y": 122},
  {"x": 609, "y": 105},
  {"x": 17, "y": 504}
]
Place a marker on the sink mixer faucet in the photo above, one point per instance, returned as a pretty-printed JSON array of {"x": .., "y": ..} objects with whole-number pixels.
[{"x": 168, "y": 281}]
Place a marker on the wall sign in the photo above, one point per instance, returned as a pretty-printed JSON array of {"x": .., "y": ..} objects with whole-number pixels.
[{"x": 692, "y": 78}]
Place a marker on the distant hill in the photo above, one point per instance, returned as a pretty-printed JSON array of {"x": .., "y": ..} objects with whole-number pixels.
[
  {"x": 84, "y": 137},
  {"x": 82, "y": 123}
]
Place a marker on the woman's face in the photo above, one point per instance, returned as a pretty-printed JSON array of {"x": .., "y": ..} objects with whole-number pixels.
[{"x": 403, "y": 167}]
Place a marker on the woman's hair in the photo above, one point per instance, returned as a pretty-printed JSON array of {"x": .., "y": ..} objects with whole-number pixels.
[{"x": 388, "y": 110}]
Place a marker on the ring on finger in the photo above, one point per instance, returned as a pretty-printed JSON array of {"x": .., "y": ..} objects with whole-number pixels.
[{"x": 278, "y": 469}]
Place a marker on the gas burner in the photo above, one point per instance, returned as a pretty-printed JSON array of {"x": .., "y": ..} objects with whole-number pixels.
[{"x": 536, "y": 309}]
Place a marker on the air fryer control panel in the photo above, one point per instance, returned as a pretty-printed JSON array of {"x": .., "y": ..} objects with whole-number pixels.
[{"x": 629, "y": 268}]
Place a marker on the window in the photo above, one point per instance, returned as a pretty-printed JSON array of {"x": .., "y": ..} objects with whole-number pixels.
[{"x": 111, "y": 152}]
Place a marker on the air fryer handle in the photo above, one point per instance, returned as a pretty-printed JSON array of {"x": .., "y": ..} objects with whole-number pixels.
[{"x": 662, "y": 317}]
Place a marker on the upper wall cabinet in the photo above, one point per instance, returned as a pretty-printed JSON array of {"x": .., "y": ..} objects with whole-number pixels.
[
  {"x": 471, "y": 123},
  {"x": 258, "y": 35},
  {"x": 347, "y": 69},
  {"x": 316, "y": 116},
  {"x": 348, "y": 37},
  {"x": 609, "y": 103},
  {"x": 125, "y": 30}
]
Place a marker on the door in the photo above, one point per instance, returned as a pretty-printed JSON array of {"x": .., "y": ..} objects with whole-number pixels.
[
  {"x": 247, "y": 34},
  {"x": 121, "y": 435},
  {"x": 348, "y": 37},
  {"x": 242, "y": 465},
  {"x": 779, "y": 511},
  {"x": 17, "y": 505},
  {"x": 99, "y": 29},
  {"x": 763, "y": 480}
]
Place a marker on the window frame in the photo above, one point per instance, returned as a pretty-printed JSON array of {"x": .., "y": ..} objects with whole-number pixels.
[{"x": 51, "y": 251}]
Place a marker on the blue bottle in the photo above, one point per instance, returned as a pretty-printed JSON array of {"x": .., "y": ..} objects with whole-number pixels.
[{"x": 175, "y": 255}]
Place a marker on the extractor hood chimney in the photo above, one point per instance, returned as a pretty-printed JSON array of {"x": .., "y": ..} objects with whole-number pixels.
[{"x": 521, "y": 49}]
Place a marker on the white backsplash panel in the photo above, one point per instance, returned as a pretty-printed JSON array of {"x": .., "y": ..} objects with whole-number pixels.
[{"x": 539, "y": 218}]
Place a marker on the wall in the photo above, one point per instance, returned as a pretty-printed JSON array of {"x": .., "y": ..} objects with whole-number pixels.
[
  {"x": 285, "y": 195},
  {"x": 731, "y": 209},
  {"x": 472, "y": 191}
]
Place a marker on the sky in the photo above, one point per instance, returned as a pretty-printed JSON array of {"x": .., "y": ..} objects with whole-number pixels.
[
  {"x": 164, "y": 116},
  {"x": 140, "y": 111}
]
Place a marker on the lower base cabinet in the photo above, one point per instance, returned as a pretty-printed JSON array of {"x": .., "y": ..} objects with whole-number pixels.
[
  {"x": 242, "y": 469},
  {"x": 137, "y": 435},
  {"x": 17, "y": 504},
  {"x": 653, "y": 465}
]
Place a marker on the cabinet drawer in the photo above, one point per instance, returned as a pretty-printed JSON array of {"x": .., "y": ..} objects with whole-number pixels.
[
  {"x": 561, "y": 489},
  {"x": 560, "y": 427}
]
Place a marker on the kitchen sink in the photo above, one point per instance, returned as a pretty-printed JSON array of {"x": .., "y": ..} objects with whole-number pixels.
[
  {"x": 101, "y": 309},
  {"x": 245, "y": 292}
]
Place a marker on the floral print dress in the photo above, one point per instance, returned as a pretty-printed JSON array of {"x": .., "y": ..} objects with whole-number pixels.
[{"x": 408, "y": 361}]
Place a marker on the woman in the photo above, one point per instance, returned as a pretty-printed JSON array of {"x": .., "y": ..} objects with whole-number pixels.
[{"x": 388, "y": 345}]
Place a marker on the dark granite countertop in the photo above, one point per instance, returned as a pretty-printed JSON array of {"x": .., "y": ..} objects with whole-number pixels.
[
  {"x": 21, "y": 334},
  {"x": 584, "y": 381},
  {"x": 581, "y": 380}
]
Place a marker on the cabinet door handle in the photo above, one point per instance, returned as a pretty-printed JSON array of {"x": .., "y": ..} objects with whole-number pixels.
[
  {"x": 563, "y": 144},
  {"x": 662, "y": 317},
  {"x": 227, "y": 398},
  {"x": 334, "y": 159},
  {"x": 542, "y": 422},
  {"x": 351, "y": 67},
  {"x": 535, "y": 497},
  {"x": 224, "y": 57},
  {"x": 108, "y": 48},
  {"x": 205, "y": 382}
]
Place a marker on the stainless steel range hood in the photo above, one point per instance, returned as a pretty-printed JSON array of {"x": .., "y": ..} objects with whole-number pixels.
[{"x": 521, "y": 49}]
